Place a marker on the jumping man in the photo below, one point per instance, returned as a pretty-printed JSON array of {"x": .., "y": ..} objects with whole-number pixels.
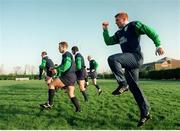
[
  {"x": 67, "y": 78},
  {"x": 131, "y": 58},
  {"x": 92, "y": 72},
  {"x": 80, "y": 71}
]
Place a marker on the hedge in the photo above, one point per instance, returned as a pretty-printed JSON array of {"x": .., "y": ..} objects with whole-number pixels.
[
  {"x": 13, "y": 77},
  {"x": 162, "y": 74}
]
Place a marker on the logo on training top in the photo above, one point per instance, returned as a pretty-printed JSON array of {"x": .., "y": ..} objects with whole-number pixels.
[
  {"x": 125, "y": 29},
  {"x": 122, "y": 40}
]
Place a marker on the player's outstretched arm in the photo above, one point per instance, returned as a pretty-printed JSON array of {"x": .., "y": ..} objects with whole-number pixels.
[
  {"x": 141, "y": 29},
  {"x": 109, "y": 40},
  {"x": 78, "y": 63},
  {"x": 64, "y": 66},
  {"x": 43, "y": 64}
]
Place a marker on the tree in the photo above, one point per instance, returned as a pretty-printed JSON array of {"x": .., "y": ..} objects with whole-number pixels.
[
  {"x": 1, "y": 69},
  {"x": 33, "y": 68},
  {"x": 16, "y": 69},
  {"x": 27, "y": 69}
]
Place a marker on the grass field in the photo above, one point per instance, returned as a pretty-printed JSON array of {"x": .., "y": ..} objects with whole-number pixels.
[{"x": 19, "y": 107}]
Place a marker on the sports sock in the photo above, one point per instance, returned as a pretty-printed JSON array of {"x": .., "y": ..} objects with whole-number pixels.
[
  {"x": 86, "y": 79},
  {"x": 97, "y": 87},
  {"x": 85, "y": 95},
  {"x": 76, "y": 103},
  {"x": 51, "y": 93}
]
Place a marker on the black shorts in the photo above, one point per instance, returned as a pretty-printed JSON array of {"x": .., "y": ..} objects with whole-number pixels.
[
  {"x": 49, "y": 74},
  {"x": 68, "y": 79},
  {"x": 86, "y": 74},
  {"x": 93, "y": 75},
  {"x": 81, "y": 74}
]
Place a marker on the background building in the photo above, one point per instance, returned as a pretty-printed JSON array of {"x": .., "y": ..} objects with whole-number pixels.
[{"x": 164, "y": 63}]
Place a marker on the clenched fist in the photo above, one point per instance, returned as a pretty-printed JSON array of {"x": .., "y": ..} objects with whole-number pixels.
[{"x": 105, "y": 24}]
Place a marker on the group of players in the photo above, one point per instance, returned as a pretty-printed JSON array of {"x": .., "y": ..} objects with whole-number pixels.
[
  {"x": 67, "y": 73},
  {"x": 131, "y": 59}
]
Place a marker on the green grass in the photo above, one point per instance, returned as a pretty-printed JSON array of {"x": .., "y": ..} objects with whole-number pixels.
[{"x": 19, "y": 107}]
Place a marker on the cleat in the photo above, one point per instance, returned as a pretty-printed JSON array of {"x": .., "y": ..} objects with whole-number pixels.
[
  {"x": 143, "y": 120},
  {"x": 46, "y": 106},
  {"x": 78, "y": 110},
  {"x": 100, "y": 91},
  {"x": 120, "y": 90},
  {"x": 86, "y": 85}
]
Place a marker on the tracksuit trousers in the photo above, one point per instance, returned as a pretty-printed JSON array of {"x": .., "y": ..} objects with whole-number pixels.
[{"x": 131, "y": 62}]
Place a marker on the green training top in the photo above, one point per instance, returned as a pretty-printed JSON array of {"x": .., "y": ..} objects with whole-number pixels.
[
  {"x": 93, "y": 65},
  {"x": 140, "y": 29},
  {"x": 65, "y": 65}
]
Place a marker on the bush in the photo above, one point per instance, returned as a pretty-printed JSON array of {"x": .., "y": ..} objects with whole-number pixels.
[
  {"x": 13, "y": 77},
  {"x": 162, "y": 74},
  {"x": 106, "y": 76}
]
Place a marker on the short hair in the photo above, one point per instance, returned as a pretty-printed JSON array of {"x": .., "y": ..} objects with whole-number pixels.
[
  {"x": 89, "y": 57},
  {"x": 63, "y": 44},
  {"x": 122, "y": 15},
  {"x": 44, "y": 53},
  {"x": 75, "y": 49}
]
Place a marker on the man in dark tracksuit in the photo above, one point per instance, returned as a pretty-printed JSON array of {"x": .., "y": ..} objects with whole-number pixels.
[
  {"x": 80, "y": 71},
  {"x": 92, "y": 73},
  {"x": 66, "y": 78},
  {"x": 131, "y": 58},
  {"x": 46, "y": 65}
]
